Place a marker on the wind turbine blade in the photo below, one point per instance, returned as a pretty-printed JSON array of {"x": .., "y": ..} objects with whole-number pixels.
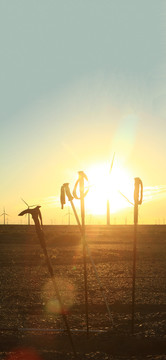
[
  {"x": 126, "y": 198},
  {"x": 32, "y": 205},
  {"x": 24, "y": 202},
  {"x": 112, "y": 163}
]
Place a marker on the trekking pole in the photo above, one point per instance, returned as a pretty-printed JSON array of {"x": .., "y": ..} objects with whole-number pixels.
[
  {"x": 138, "y": 195},
  {"x": 80, "y": 183},
  {"x": 37, "y": 218},
  {"x": 65, "y": 189}
]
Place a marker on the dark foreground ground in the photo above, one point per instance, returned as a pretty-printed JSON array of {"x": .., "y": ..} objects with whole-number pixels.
[{"x": 31, "y": 325}]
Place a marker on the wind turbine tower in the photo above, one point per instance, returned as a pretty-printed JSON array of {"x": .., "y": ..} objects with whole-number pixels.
[
  {"x": 69, "y": 214},
  {"x": 4, "y": 214}
]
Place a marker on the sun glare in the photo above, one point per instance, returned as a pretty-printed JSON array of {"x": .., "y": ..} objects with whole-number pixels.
[{"x": 105, "y": 186}]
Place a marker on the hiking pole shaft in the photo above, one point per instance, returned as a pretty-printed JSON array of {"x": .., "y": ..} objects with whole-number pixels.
[
  {"x": 99, "y": 282},
  {"x": 81, "y": 183},
  {"x": 134, "y": 264},
  {"x": 90, "y": 257},
  {"x": 138, "y": 194},
  {"x": 76, "y": 216},
  {"x": 70, "y": 198},
  {"x": 50, "y": 269},
  {"x": 41, "y": 238},
  {"x": 65, "y": 188}
]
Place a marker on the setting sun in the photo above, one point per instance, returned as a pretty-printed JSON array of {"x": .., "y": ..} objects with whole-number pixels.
[{"x": 105, "y": 186}]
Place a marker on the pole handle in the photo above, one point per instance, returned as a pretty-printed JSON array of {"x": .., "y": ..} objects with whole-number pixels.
[
  {"x": 62, "y": 196},
  {"x": 138, "y": 191},
  {"x": 68, "y": 192},
  {"x": 81, "y": 177}
]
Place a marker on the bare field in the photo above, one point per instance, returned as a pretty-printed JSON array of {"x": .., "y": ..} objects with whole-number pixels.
[{"x": 28, "y": 301}]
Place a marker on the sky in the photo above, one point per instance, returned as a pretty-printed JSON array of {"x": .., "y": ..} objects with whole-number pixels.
[{"x": 81, "y": 80}]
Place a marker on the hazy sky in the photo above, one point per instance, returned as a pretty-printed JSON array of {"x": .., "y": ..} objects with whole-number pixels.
[{"x": 80, "y": 80}]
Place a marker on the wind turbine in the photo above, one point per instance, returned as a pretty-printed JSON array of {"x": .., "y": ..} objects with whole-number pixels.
[
  {"x": 29, "y": 206},
  {"x": 69, "y": 214},
  {"x": 4, "y": 215},
  {"x": 108, "y": 203}
]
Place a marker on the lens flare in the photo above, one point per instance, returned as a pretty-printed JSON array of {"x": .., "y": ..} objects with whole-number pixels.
[
  {"x": 24, "y": 354},
  {"x": 67, "y": 293}
]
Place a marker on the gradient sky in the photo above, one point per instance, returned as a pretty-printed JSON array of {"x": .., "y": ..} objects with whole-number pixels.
[{"x": 80, "y": 80}]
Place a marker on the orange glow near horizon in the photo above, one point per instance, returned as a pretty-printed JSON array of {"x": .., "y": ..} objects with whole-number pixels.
[{"x": 103, "y": 187}]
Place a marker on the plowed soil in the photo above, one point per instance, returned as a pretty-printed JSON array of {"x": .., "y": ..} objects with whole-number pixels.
[{"x": 32, "y": 324}]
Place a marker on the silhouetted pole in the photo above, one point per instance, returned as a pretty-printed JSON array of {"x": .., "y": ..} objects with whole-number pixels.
[
  {"x": 80, "y": 182},
  {"x": 65, "y": 189},
  {"x": 138, "y": 194},
  {"x": 36, "y": 215}
]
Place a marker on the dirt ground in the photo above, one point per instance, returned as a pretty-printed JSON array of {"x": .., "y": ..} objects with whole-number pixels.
[{"x": 32, "y": 325}]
